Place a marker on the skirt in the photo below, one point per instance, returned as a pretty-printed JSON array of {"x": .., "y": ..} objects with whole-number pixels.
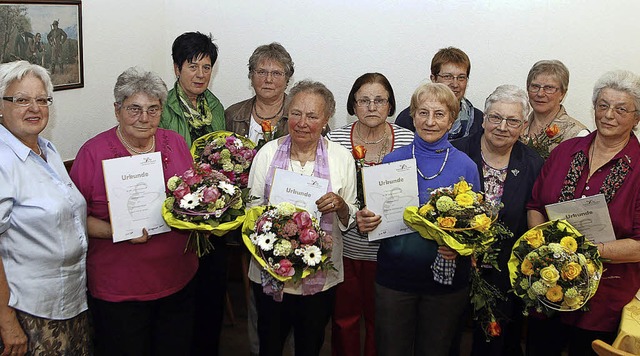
[{"x": 56, "y": 337}]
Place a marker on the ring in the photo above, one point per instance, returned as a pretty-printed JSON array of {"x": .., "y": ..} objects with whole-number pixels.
[{"x": 333, "y": 205}]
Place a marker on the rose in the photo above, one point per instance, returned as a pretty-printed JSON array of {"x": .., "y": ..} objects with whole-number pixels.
[
  {"x": 205, "y": 168},
  {"x": 266, "y": 126},
  {"x": 552, "y": 130},
  {"x": 591, "y": 268},
  {"x": 302, "y": 219},
  {"x": 550, "y": 275},
  {"x": 359, "y": 152},
  {"x": 526, "y": 267},
  {"x": 493, "y": 329},
  {"x": 447, "y": 221},
  {"x": 308, "y": 236},
  {"x": 191, "y": 177},
  {"x": 571, "y": 270},
  {"x": 481, "y": 222},
  {"x": 535, "y": 238},
  {"x": 569, "y": 244},
  {"x": 461, "y": 187},
  {"x": 554, "y": 294},
  {"x": 210, "y": 194},
  {"x": 573, "y": 303},
  {"x": 464, "y": 199},
  {"x": 182, "y": 190}
]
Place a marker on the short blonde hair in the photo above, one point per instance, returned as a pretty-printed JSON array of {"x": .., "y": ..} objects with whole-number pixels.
[{"x": 438, "y": 92}]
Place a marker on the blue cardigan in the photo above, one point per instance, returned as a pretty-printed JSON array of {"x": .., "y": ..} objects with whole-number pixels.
[{"x": 404, "y": 262}]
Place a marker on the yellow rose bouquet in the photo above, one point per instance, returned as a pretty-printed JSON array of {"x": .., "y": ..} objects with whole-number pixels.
[
  {"x": 465, "y": 221},
  {"x": 554, "y": 267}
]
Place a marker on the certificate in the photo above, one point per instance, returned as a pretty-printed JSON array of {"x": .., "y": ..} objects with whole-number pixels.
[
  {"x": 388, "y": 189},
  {"x": 298, "y": 189},
  {"x": 135, "y": 191},
  {"x": 590, "y": 215}
]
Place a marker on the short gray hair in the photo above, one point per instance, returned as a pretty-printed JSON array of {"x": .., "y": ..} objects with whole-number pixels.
[
  {"x": 309, "y": 86},
  {"x": 15, "y": 71},
  {"x": 621, "y": 80},
  {"x": 275, "y": 52},
  {"x": 509, "y": 94},
  {"x": 551, "y": 67},
  {"x": 136, "y": 80}
]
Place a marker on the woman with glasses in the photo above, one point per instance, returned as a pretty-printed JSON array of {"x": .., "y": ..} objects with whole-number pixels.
[
  {"x": 508, "y": 169},
  {"x": 43, "y": 240},
  {"x": 141, "y": 290},
  {"x": 549, "y": 123},
  {"x": 371, "y": 99},
  {"x": 418, "y": 311},
  {"x": 606, "y": 161}
]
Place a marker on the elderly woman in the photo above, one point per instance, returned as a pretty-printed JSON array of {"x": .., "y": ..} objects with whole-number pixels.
[
  {"x": 508, "y": 169},
  {"x": 549, "y": 123},
  {"x": 371, "y": 99},
  {"x": 193, "y": 111},
  {"x": 142, "y": 298},
  {"x": 270, "y": 68},
  {"x": 305, "y": 151},
  {"x": 451, "y": 66},
  {"x": 43, "y": 243},
  {"x": 606, "y": 161},
  {"x": 415, "y": 314}
]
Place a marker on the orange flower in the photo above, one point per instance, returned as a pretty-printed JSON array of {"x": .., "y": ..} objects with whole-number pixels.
[
  {"x": 554, "y": 294},
  {"x": 359, "y": 152},
  {"x": 494, "y": 329},
  {"x": 552, "y": 130},
  {"x": 266, "y": 126}
]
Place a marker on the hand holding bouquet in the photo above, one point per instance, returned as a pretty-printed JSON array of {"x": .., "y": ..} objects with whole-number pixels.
[
  {"x": 554, "y": 267},
  {"x": 203, "y": 199},
  {"x": 289, "y": 244}
]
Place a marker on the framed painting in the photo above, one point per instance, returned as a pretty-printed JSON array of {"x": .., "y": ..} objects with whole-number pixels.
[{"x": 47, "y": 33}]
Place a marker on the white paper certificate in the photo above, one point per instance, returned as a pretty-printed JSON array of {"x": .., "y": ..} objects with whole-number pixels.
[
  {"x": 589, "y": 215},
  {"x": 298, "y": 189},
  {"x": 135, "y": 191},
  {"x": 388, "y": 189}
]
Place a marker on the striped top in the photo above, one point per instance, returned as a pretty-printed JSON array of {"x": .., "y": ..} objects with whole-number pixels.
[{"x": 356, "y": 245}]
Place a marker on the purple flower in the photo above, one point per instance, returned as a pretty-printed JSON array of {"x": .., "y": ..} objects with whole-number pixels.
[
  {"x": 191, "y": 177},
  {"x": 210, "y": 194}
]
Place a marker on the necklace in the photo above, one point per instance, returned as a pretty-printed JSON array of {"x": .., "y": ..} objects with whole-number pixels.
[
  {"x": 255, "y": 109},
  {"x": 130, "y": 148},
  {"x": 372, "y": 142},
  {"x": 39, "y": 150},
  {"x": 446, "y": 157}
]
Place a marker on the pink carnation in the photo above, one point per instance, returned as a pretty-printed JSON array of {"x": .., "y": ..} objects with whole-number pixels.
[
  {"x": 181, "y": 191},
  {"x": 243, "y": 179},
  {"x": 302, "y": 219},
  {"x": 210, "y": 194},
  {"x": 286, "y": 268},
  {"x": 191, "y": 177},
  {"x": 308, "y": 236}
]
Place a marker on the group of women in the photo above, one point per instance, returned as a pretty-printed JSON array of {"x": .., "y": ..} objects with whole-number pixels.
[{"x": 146, "y": 296}]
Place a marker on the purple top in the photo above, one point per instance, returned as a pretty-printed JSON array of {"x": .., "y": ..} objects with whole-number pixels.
[
  {"x": 123, "y": 271},
  {"x": 620, "y": 281}
]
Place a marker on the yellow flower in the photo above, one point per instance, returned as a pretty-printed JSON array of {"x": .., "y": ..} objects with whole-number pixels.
[
  {"x": 461, "y": 187},
  {"x": 481, "y": 222},
  {"x": 425, "y": 209},
  {"x": 591, "y": 268},
  {"x": 554, "y": 294},
  {"x": 550, "y": 275},
  {"x": 534, "y": 238},
  {"x": 464, "y": 199},
  {"x": 569, "y": 244},
  {"x": 526, "y": 267},
  {"x": 571, "y": 270},
  {"x": 573, "y": 303},
  {"x": 446, "y": 222}
]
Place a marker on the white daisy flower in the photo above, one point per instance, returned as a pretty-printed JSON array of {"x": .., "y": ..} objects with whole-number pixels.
[
  {"x": 267, "y": 226},
  {"x": 311, "y": 255},
  {"x": 227, "y": 187},
  {"x": 237, "y": 143},
  {"x": 266, "y": 241},
  {"x": 189, "y": 201},
  {"x": 254, "y": 238}
]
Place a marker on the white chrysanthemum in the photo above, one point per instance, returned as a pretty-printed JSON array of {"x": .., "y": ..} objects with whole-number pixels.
[
  {"x": 254, "y": 238},
  {"x": 237, "y": 143},
  {"x": 173, "y": 183},
  {"x": 227, "y": 187},
  {"x": 286, "y": 209},
  {"x": 266, "y": 241},
  {"x": 311, "y": 255},
  {"x": 218, "y": 213},
  {"x": 267, "y": 226},
  {"x": 189, "y": 201}
]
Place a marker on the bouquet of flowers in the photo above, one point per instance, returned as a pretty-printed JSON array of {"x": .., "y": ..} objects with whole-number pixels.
[
  {"x": 359, "y": 153},
  {"x": 463, "y": 220},
  {"x": 554, "y": 267},
  {"x": 203, "y": 200},
  {"x": 227, "y": 153},
  {"x": 290, "y": 245},
  {"x": 543, "y": 141}
]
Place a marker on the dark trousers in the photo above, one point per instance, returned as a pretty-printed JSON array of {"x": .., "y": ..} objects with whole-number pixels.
[
  {"x": 307, "y": 315},
  {"x": 211, "y": 287},
  {"x": 549, "y": 337},
  {"x": 157, "y": 327}
]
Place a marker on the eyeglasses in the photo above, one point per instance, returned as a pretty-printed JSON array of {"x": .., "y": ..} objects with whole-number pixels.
[
  {"x": 275, "y": 74},
  {"x": 450, "y": 77},
  {"x": 135, "y": 110},
  {"x": 497, "y": 120},
  {"x": 376, "y": 102},
  {"x": 622, "y": 111},
  {"x": 24, "y": 101},
  {"x": 549, "y": 89}
]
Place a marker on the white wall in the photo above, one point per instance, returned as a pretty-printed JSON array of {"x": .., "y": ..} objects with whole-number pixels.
[{"x": 337, "y": 41}]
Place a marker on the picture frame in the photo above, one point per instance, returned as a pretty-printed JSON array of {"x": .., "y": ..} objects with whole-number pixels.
[{"x": 47, "y": 33}]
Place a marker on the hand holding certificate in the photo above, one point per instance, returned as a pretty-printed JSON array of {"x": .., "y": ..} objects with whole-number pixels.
[{"x": 590, "y": 215}]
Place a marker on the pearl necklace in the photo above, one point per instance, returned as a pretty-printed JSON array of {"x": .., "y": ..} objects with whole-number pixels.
[
  {"x": 384, "y": 135},
  {"x": 446, "y": 157},
  {"x": 130, "y": 148}
]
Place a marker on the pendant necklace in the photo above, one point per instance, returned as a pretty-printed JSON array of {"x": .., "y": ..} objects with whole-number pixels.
[
  {"x": 130, "y": 148},
  {"x": 446, "y": 157}
]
